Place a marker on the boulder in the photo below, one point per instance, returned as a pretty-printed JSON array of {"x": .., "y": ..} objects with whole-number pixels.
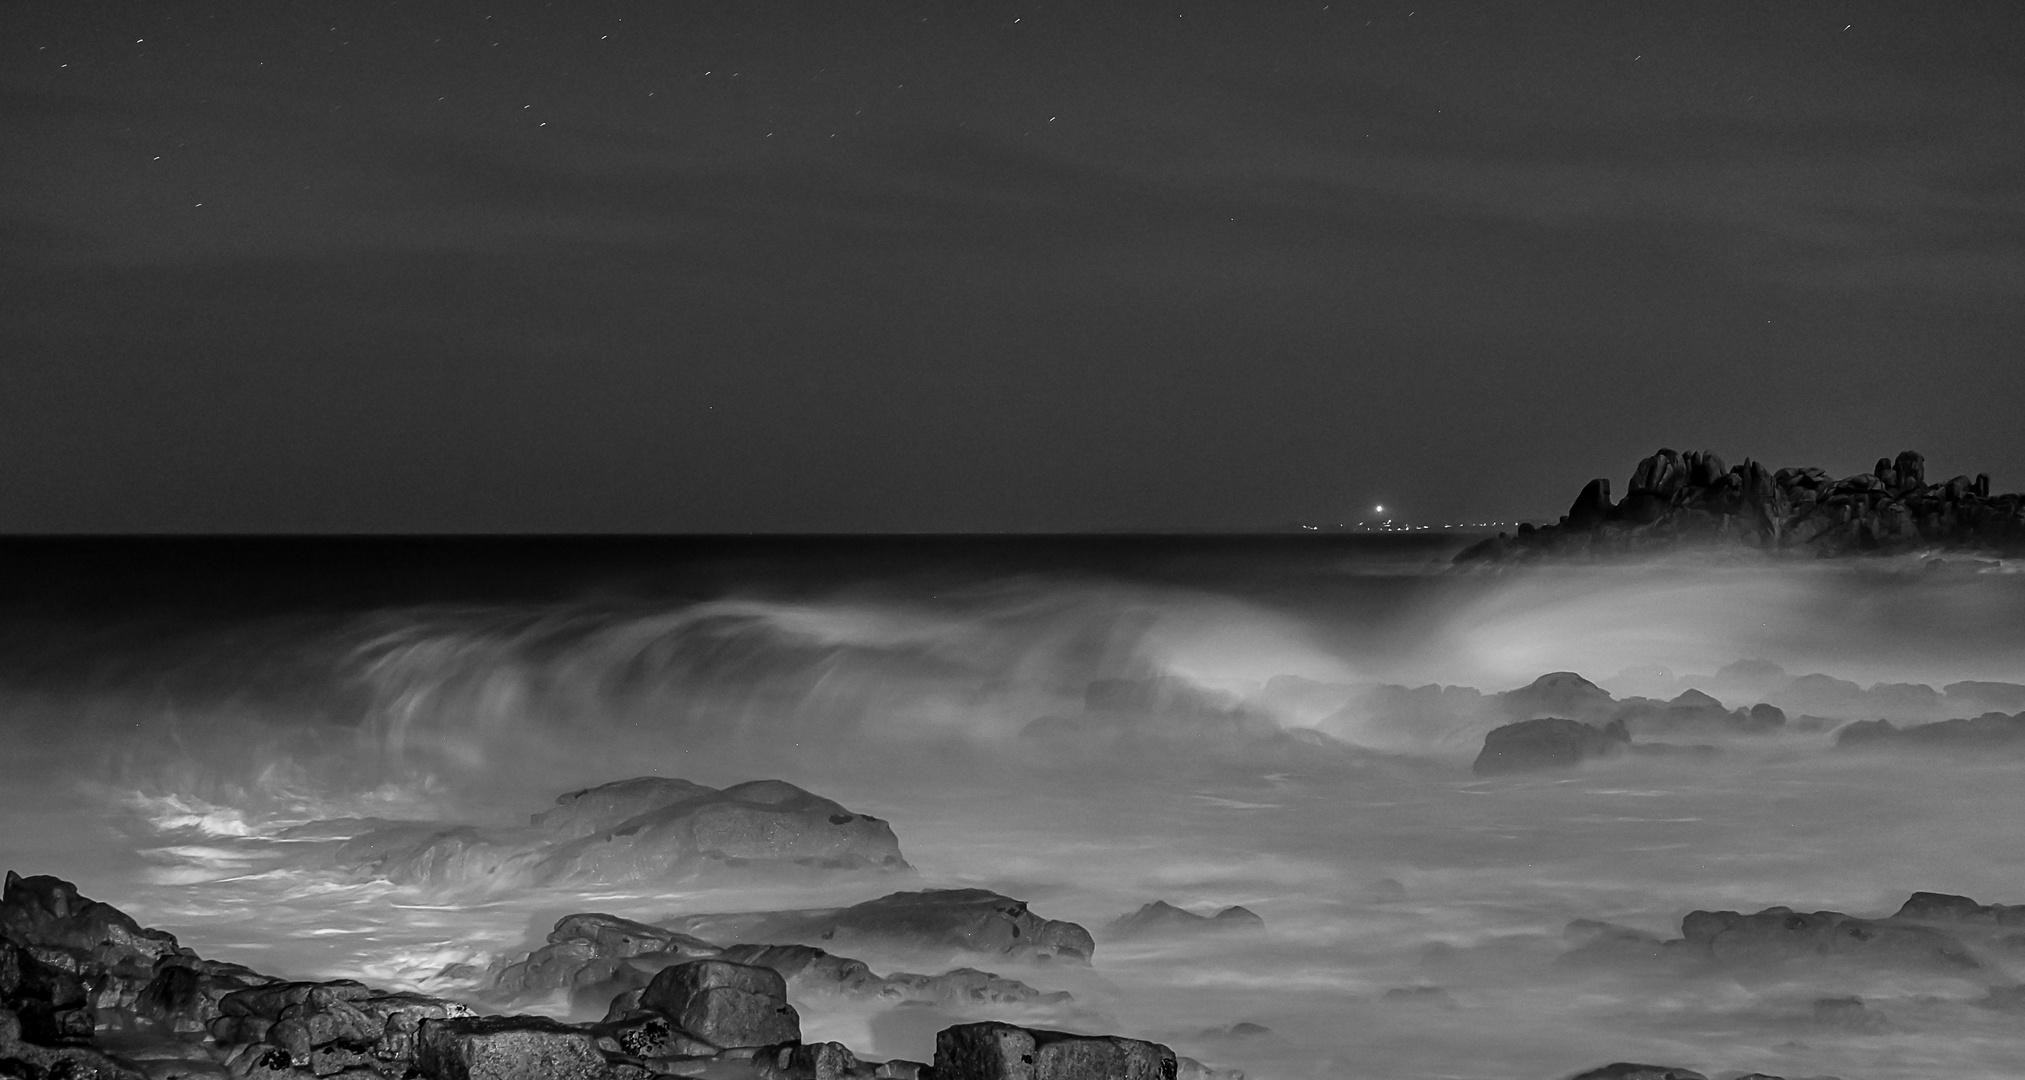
[
  {"x": 1558, "y": 693},
  {"x": 507, "y": 1048},
  {"x": 50, "y": 1004},
  {"x": 931, "y": 921},
  {"x": 1675, "y": 500},
  {"x": 1546, "y": 743},
  {"x": 724, "y": 1004},
  {"x": 999, "y": 1051},
  {"x": 1160, "y": 919}
]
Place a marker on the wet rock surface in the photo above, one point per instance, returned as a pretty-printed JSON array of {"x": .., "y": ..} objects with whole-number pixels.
[
  {"x": 1676, "y": 501},
  {"x": 74, "y": 967}
]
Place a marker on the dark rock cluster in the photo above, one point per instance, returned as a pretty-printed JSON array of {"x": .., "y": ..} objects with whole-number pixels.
[
  {"x": 75, "y": 973},
  {"x": 1587, "y": 722},
  {"x": 1676, "y": 499}
]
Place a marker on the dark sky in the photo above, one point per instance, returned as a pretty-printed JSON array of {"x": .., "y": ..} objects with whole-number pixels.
[{"x": 692, "y": 266}]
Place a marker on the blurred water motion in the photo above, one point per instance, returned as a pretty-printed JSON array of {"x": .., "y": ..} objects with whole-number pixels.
[{"x": 1085, "y": 725}]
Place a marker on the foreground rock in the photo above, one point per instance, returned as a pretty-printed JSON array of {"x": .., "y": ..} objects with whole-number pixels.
[
  {"x": 995, "y": 1051},
  {"x": 933, "y": 921},
  {"x": 670, "y": 829},
  {"x": 1162, "y": 919},
  {"x": 1679, "y": 500},
  {"x": 71, "y": 957}
]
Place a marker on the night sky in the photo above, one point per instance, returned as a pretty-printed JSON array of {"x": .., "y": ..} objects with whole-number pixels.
[{"x": 688, "y": 266}]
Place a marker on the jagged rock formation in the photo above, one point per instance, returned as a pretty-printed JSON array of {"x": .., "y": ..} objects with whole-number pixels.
[
  {"x": 644, "y": 829},
  {"x": 1677, "y": 499},
  {"x": 77, "y": 965},
  {"x": 1162, "y": 919}
]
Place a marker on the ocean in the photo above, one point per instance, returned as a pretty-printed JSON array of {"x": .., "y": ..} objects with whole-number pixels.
[{"x": 1088, "y": 724}]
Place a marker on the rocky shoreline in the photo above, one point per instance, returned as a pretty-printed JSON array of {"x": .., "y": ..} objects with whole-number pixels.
[{"x": 1680, "y": 501}]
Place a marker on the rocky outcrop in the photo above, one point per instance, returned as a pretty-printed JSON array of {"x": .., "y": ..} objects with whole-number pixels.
[
  {"x": 1676, "y": 500},
  {"x": 671, "y": 829},
  {"x": 934, "y": 921},
  {"x": 1162, "y": 919},
  {"x": 703, "y": 1017},
  {"x": 1547, "y": 743}
]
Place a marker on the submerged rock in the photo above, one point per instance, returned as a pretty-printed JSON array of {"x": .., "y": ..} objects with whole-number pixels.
[
  {"x": 1625, "y": 1070},
  {"x": 673, "y": 829},
  {"x": 1546, "y": 743},
  {"x": 1160, "y": 918},
  {"x": 931, "y": 921}
]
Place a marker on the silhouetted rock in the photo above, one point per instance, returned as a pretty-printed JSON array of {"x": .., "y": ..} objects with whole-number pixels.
[
  {"x": 760, "y": 826},
  {"x": 1161, "y": 918},
  {"x": 1675, "y": 500},
  {"x": 1591, "y": 508},
  {"x": 1545, "y": 743},
  {"x": 932, "y": 921},
  {"x": 998, "y": 1051}
]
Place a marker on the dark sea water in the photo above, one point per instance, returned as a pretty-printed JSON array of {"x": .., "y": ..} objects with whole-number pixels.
[{"x": 169, "y": 707}]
